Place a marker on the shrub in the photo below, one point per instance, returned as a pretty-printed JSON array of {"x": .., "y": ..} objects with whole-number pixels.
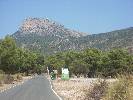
[
  {"x": 121, "y": 90},
  {"x": 19, "y": 76},
  {"x": 8, "y": 79},
  {"x": 1, "y": 83},
  {"x": 98, "y": 90},
  {"x": 1, "y": 77}
]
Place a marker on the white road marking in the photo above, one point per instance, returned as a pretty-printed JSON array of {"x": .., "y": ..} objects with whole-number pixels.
[{"x": 54, "y": 90}]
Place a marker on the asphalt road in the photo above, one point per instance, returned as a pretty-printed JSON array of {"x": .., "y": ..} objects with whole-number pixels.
[{"x": 37, "y": 88}]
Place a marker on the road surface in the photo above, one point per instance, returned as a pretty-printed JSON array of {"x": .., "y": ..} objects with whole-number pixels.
[{"x": 37, "y": 88}]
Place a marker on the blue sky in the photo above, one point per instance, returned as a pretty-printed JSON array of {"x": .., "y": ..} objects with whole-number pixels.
[{"x": 90, "y": 16}]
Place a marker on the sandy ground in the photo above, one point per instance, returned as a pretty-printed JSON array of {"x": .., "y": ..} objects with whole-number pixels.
[
  {"x": 7, "y": 86},
  {"x": 75, "y": 88}
]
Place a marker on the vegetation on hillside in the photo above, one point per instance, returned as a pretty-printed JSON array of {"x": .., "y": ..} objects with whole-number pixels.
[
  {"x": 93, "y": 62},
  {"x": 47, "y": 37},
  {"x": 16, "y": 60},
  {"x": 107, "y": 41},
  {"x": 88, "y": 62}
]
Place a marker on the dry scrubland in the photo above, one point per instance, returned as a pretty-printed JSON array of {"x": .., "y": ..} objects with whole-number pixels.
[
  {"x": 75, "y": 89},
  {"x": 95, "y": 89},
  {"x": 72, "y": 89},
  {"x": 7, "y": 81}
]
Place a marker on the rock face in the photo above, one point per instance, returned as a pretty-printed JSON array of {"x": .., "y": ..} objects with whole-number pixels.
[
  {"x": 44, "y": 27},
  {"x": 47, "y": 37}
]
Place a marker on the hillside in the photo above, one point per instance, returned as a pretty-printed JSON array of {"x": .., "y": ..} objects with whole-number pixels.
[
  {"x": 116, "y": 39},
  {"x": 44, "y": 27},
  {"x": 46, "y": 36}
]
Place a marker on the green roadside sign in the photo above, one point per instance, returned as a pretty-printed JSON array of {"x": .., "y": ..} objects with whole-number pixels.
[{"x": 65, "y": 74}]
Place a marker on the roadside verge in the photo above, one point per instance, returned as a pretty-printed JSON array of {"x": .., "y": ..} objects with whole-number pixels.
[
  {"x": 51, "y": 85},
  {"x": 6, "y": 87}
]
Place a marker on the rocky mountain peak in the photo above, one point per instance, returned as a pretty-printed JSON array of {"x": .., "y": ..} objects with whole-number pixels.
[{"x": 43, "y": 26}]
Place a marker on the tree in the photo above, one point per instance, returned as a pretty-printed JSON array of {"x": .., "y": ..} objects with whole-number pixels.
[
  {"x": 8, "y": 50},
  {"x": 78, "y": 67},
  {"x": 55, "y": 62},
  {"x": 39, "y": 64},
  {"x": 116, "y": 61},
  {"x": 93, "y": 58},
  {"x": 14, "y": 60}
]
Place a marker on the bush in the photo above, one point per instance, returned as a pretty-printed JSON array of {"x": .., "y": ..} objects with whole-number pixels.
[
  {"x": 1, "y": 72},
  {"x": 8, "y": 79},
  {"x": 98, "y": 90},
  {"x": 1, "y": 83},
  {"x": 19, "y": 77},
  {"x": 121, "y": 90},
  {"x": 1, "y": 77}
]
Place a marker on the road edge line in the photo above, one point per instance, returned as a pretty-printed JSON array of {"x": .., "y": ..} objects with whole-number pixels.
[{"x": 54, "y": 91}]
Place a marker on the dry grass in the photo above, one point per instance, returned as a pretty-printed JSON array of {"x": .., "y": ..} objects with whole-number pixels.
[
  {"x": 93, "y": 89},
  {"x": 121, "y": 89},
  {"x": 98, "y": 90},
  {"x": 17, "y": 77},
  {"x": 17, "y": 80},
  {"x": 74, "y": 89},
  {"x": 79, "y": 88}
]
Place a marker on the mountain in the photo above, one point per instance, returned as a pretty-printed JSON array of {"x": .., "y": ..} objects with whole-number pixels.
[
  {"x": 44, "y": 27},
  {"x": 116, "y": 39},
  {"x": 47, "y": 36}
]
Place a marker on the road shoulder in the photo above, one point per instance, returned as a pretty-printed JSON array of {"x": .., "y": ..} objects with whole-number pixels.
[{"x": 6, "y": 87}]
